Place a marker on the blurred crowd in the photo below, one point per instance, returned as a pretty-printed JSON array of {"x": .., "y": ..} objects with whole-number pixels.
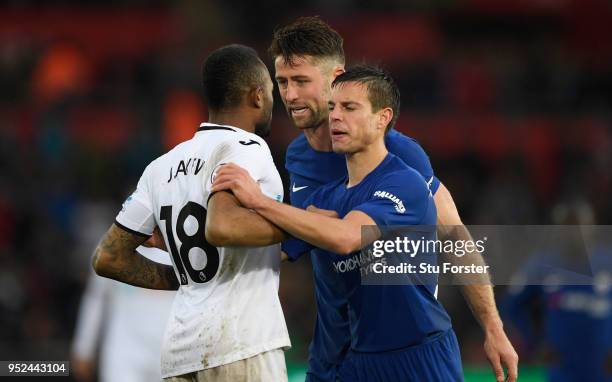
[{"x": 511, "y": 101}]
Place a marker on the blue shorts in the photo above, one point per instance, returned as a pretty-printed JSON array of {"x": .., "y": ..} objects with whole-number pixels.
[
  {"x": 439, "y": 359},
  {"x": 321, "y": 371}
]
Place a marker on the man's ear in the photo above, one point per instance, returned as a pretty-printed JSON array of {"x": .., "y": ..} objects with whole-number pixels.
[
  {"x": 256, "y": 97},
  {"x": 384, "y": 117},
  {"x": 338, "y": 70}
]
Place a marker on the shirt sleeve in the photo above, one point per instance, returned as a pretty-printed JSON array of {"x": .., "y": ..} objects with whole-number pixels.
[
  {"x": 251, "y": 154},
  {"x": 411, "y": 153},
  {"x": 295, "y": 248},
  {"x": 136, "y": 215},
  {"x": 400, "y": 198}
]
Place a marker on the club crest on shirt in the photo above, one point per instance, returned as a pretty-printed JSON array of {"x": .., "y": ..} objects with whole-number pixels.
[
  {"x": 129, "y": 198},
  {"x": 399, "y": 205}
]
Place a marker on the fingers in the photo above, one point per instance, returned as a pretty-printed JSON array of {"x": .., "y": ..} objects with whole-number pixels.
[
  {"x": 223, "y": 171},
  {"x": 511, "y": 363},
  {"x": 231, "y": 169},
  {"x": 231, "y": 176},
  {"x": 222, "y": 185},
  {"x": 223, "y": 178},
  {"x": 497, "y": 368},
  {"x": 228, "y": 182}
]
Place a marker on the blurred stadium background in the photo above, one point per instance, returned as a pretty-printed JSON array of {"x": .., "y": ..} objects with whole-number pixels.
[{"x": 510, "y": 98}]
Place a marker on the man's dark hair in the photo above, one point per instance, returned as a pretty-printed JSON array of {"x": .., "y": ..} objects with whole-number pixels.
[
  {"x": 307, "y": 36},
  {"x": 382, "y": 89},
  {"x": 228, "y": 73}
]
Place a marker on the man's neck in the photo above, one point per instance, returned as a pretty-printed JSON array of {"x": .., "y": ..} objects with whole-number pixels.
[
  {"x": 231, "y": 118},
  {"x": 318, "y": 137},
  {"x": 361, "y": 163}
]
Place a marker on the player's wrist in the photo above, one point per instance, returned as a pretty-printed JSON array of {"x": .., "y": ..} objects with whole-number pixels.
[
  {"x": 493, "y": 328},
  {"x": 261, "y": 202}
]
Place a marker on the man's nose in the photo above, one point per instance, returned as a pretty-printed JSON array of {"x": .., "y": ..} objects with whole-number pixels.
[
  {"x": 291, "y": 92},
  {"x": 335, "y": 114}
]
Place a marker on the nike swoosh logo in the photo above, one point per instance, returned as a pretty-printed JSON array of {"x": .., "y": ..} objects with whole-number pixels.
[{"x": 296, "y": 189}]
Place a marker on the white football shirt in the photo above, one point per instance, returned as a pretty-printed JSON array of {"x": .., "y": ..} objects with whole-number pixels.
[{"x": 227, "y": 307}]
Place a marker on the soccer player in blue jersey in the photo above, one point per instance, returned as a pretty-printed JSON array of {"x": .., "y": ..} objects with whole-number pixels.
[
  {"x": 308, "y": 55},
  {"x": 575, "y": 321},
  {"x": 398, "y": 332}
]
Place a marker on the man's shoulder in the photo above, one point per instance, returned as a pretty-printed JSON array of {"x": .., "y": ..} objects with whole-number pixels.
[
  {"x": 158, "y": 162},
  {"x": 397, "y": 138},
  {"x": 169, "y": 155},
  {"x": 238, "y": 139},
  {"x": 407, "y": 149},
  {"x": 400, "y": 173},
  {"x": 245, "y": 138},
  {"x": 395, "y": 163},
  {"x": 223, "y": 143},
  {"x": 297, "y": 147},
  {"x": 228, "y": 145}
]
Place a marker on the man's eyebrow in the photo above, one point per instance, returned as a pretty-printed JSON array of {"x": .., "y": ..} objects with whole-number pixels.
[{"x": 294, "y": 78}]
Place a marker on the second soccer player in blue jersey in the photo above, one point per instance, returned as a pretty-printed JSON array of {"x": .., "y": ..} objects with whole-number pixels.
[{"x": 398, "y": 332}]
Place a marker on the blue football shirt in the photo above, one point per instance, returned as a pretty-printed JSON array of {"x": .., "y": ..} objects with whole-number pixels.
[
  {"x": 308, "y": 170},
  {"x": 383, "y": 317}
]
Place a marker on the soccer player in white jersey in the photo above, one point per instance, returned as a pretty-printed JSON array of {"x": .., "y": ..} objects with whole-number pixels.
[{"x": 226, "y": 322}]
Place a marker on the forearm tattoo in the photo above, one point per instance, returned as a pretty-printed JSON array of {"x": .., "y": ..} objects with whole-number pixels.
[{"x": 117, "y": 252}]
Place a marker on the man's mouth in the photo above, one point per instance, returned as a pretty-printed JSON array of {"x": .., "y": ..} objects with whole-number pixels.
[{"x": 298, "y": 111}]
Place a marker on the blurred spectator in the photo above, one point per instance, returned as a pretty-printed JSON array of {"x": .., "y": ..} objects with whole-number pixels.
[
  {"x": 127, "y": 323},
  {"x": 62, "y": 70},
  {"x": 576, "y": 320}
]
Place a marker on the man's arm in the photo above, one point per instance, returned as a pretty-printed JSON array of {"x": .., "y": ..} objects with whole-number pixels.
[
  {"x": 479, "y": 296},
  {"x": 230, "y": 224},
  {"x": 116, "y": 258},
  {"x": 342, "y": 236}
]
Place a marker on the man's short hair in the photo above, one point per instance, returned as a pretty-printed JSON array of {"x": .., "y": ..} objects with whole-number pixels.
[
  {"x": 307, "y": 36},
  {"x": 382, "y": 89},
  {"x": 229, "y": 73}
]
